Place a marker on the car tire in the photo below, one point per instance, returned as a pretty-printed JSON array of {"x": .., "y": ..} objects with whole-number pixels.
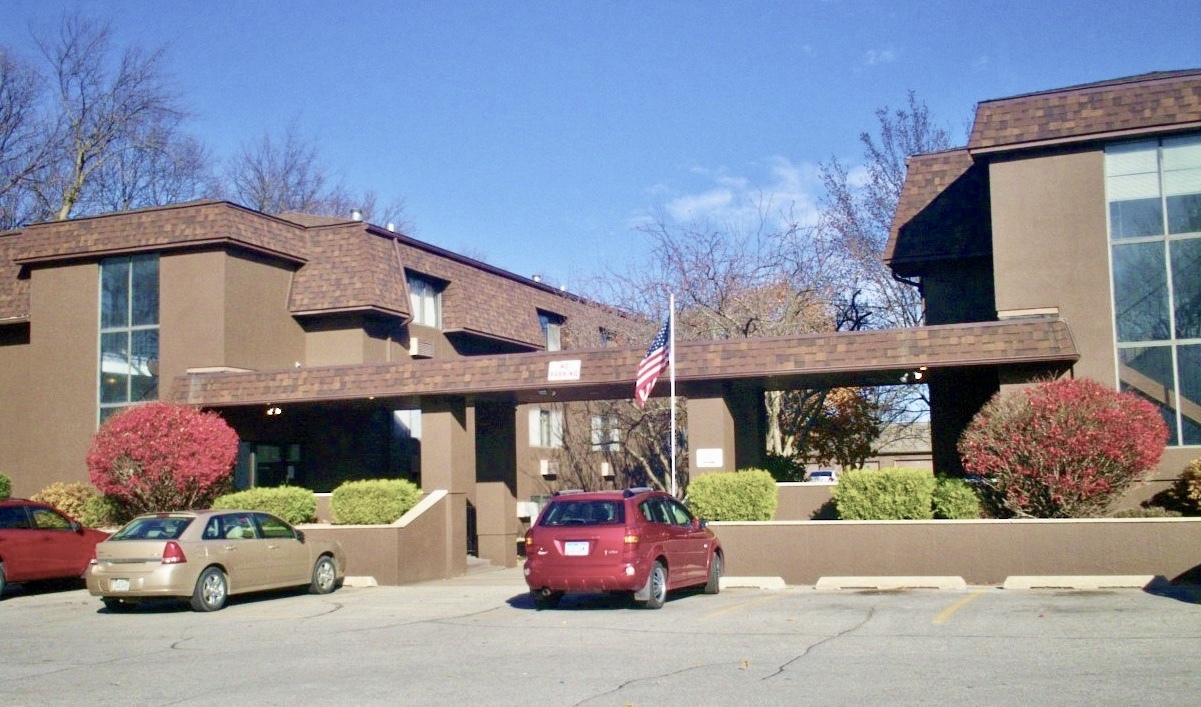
[
  {"x": 548, "y": 600},
  {"x": 119, "y": 606},
  {"x": 211, "y": 591},
  {"x": 1, "y": 580},
  {"x": 713, "y": 586},
  {"x": 325, "y": 576},
  {"x": 656, "y": 587}
]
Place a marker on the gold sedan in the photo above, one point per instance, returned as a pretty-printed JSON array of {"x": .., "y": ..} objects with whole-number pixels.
[{"x": 206, "y": 556}]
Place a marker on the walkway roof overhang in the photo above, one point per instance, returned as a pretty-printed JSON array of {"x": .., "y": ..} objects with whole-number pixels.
[{"x": 1018, "y": 347}]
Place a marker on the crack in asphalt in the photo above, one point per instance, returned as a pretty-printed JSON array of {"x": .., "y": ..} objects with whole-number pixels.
[{"x": 784, "y": 666}]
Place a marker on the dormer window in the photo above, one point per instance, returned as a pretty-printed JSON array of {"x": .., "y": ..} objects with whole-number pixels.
[
  {"x": 425, "y": 301},
  {"x": 551, "y": 329}
]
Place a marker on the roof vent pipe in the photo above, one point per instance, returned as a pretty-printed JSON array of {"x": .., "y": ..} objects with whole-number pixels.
[{"x": 356, "y": 215}]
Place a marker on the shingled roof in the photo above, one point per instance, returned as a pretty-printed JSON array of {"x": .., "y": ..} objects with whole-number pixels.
[{"x": 1145, "y": 103}]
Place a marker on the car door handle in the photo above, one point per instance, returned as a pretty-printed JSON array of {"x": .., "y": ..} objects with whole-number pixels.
[{"x": 231, "y": 548}]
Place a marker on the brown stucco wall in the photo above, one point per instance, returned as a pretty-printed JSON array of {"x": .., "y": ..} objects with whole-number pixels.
[
  {"x": 46, "y": 433},
  {"x": 260, "y": 331},
  {"x": 982, "y": 552}
]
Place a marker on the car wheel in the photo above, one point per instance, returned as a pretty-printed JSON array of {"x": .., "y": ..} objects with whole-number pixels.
[
  {"x": 325, "y": 576},
  {"x": 545, "y": 600},
  {"x": 211, "y": 590},
  {"x": 656, "y": 587},
  {"x": 713, "y": 586},
  {"x": 119, "y": 606}
]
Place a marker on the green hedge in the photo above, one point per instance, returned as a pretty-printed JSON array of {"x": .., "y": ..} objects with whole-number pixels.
[
  {"x": 292, "y": 503},
  {"x": 373, "y": 501},
  {"x": 887, "y": 494},
  {"x": 748, "y": 494},
  {"x": 955, "y": 498},
  {"x": 6, "y": 487}
]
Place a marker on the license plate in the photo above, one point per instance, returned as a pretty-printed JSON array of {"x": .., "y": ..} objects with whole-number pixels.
[
  {"x": 118, "y": 585},
  {"x": 575, "y": 547}
]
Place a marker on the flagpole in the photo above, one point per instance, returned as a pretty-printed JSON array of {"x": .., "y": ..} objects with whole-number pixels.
[{"x": 671, "y": 362}]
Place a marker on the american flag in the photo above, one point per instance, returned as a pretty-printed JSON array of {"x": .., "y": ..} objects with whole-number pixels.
[{"x": 657, "y": 358}]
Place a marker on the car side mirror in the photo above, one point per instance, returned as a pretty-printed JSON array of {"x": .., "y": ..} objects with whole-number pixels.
[
  {"x": 77, "y": 527},
  {"x": 300, "y": 535},
  {"x": 702, "y": 523}
]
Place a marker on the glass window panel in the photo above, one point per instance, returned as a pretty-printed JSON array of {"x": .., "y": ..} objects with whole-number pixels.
[
  {"x": 1140, "y": 292},
  {"x": 1184, "y": 213},
  {"x": 114, "y": 367},
  {"x": 143, "y": 365},
  {"x": 1131, "y": 158},
  {"x": 1135, "y": 218},
  {"x": 1186, "y": 287},
  {"x": 1189, "y": 364},
  {"x": 145, "y": 290},
  {"x": 1147, "y": 372},
  {"x": 114, "y": 293}
]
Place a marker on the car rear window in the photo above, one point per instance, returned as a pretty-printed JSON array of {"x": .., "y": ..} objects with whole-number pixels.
[
  {"x": 581, "y": 512},
  {"x": 164, "y": 528}
]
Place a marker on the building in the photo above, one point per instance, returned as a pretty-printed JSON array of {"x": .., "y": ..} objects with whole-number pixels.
[{"x": 1082, "y": 204}]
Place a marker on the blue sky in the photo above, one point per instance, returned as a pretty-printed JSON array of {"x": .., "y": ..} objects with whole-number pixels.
[{"x": 536, "y": 135}]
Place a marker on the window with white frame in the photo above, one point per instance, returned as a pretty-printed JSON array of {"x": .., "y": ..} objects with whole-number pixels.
[
  {"x": 425, "y": 300},
  {"x": 1153, "y": 190},
  {"x": 606, "y": 433},
  {"x": 552, "y": 326},
  {"x": 129, "y": 329},
  {"x": 546, "y": 427}
]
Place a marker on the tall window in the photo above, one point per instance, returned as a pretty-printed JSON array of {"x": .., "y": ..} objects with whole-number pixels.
[
  {"x": 128, "y": 332},
  {"x": 1154, "y": 192},
  {"x": 546, "y": 427},
  {"x": 606, "y": 433},
  {"x": 425, "y": 301},
  {"x": 552, "y": 325}
]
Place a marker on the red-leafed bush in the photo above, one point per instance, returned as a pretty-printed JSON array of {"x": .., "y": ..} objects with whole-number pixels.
[
  {"x": 1062, "y": 449},
  {"x": 159, "y": 456}
]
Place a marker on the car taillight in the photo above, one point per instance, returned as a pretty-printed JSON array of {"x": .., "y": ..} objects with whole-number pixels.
[
  {"x": 173, "y": 554},
  {"x": 630, "y": 539}
]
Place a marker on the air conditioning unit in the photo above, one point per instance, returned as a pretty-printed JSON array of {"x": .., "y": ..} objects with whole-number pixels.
[
  {"x": 606, "y": 470},
  {"x": 548, "y": 468},
  {"x": 421, "y": 348}
]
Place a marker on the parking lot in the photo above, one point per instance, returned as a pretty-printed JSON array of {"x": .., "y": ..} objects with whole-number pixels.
[{"x": 478, "y": 640}]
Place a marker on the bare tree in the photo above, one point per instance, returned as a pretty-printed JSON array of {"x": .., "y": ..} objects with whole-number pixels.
[
  {"x": 108, "y": 111},
  {"x": 23, "y": 141}
]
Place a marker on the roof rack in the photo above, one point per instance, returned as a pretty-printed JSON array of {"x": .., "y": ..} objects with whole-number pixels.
[
  {"x": 567, "y": 491},
  {"x": 636, "y": 490}
]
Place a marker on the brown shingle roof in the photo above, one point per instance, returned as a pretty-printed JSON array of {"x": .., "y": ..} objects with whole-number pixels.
[
  {"x": 816, "y": 360},
  {"x": 14, "y": 291},
  {"x": 942, "y": 211},
  {"x": 349, "y": 268},
  {"x": 1148, "y": 102}
]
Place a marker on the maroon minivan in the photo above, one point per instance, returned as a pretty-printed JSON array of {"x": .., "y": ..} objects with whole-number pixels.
[
  {"x": 38, "y": 542},
  {"x": 638, "y": 540}
]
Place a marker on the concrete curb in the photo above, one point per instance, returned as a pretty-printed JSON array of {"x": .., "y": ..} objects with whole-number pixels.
[
  {"x": 359, "y": 582},
  {"x": 890, "y": 583},
  {"x": 751, "y": 583},
  {"x": 1136, "y": 581}
]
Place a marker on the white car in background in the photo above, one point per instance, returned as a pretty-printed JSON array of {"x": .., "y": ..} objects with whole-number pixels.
[{"x": 821, "y": 476}]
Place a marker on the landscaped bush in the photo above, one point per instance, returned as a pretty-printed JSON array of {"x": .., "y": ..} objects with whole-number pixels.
[
  {"x": 1066, "y": 448},
  {"x": 6, "y": 487},
  {"x": 104, "y": 512},
  {"x": 887, "y": 494},
  {"x": 1184, "y": 496},
  {"x": 783, "y": 467},
  {"x": 955, "y": 499},
  {"x": 292, "y": 503},
  {"x": 160, "y": 457},
  {"x": 69, "y": 498},
  {"x": 373, "y": 501},
  {"x": 1146, "y": 512},
  {"x": 748, "y": 494}
]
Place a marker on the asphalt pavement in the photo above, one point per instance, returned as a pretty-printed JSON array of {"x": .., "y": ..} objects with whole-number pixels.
[{"x": 477, "y": 640}]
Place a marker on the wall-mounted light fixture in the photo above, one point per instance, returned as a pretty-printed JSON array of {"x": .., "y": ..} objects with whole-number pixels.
[{"x": 274, "y": 410}]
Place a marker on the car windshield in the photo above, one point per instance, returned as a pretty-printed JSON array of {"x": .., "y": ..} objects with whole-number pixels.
[
  {"x": 153, "y": 528},
  {"x": 581, "y": 512}
]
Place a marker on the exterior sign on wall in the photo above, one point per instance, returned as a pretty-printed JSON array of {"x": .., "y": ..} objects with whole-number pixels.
[
  {"x": 563, "y": 371},
  {"x": 709, "y": 458}
]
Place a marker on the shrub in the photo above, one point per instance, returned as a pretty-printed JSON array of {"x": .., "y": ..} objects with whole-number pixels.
[
  {"x": 159, "y": 456},
  {"x": 747, "y": 494},
  {"x": 6, "y": 487},
  {"x": 887, "y": 494},
  {"x": 69, "y": 498},
  {"x": 292, "y": 503},
  {"x": 1184, "y": 496},
  {"x": 783, "y": 467},
  {"x": 1062, "y": 449},
  {"x": 372, "y": 502},
  {"x": 104, "y": 512},
  {"x": 955, "y": 499},
  {"x": 1146, "y": 512}
]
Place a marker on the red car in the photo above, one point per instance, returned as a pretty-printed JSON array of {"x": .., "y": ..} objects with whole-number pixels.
[
  {"x": 39, "y": 542},
  {"x": 638, "y": 540}
]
